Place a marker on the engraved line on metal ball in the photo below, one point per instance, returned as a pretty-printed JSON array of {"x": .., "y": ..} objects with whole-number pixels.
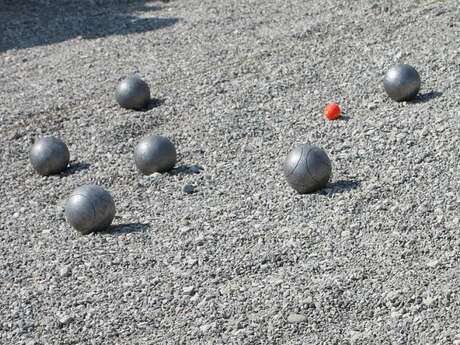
[
  {"x": 298, "y": 161},
  {"x": 320, "y": 151},
  {"x": 308, "y": 168}
]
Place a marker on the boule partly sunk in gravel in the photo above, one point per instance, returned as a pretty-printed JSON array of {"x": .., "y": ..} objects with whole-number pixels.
[
  {"x": 155, "y": 153},
  {"x": 90, "y": 208},
  {"x": 133, "y": 93},
  {"x": 49, "y": 155},
  {"x": 307, "y": 168},
  {"x": 402, "y": 82}
]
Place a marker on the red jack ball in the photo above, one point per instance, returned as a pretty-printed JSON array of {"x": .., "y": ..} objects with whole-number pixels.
[{"x": 332, "y": 111}]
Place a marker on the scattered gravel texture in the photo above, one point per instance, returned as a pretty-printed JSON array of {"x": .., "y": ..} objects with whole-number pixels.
[{"x": 371, "y": 259}]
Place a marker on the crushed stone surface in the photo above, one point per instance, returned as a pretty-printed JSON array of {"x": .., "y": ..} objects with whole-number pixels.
[{"x": 237, "y": 257}]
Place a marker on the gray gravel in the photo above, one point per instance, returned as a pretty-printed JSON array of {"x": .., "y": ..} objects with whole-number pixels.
[{"x": 371, "y": 259}]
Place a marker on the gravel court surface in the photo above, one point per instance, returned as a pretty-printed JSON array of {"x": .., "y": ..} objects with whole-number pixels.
[{"x": 373, "y": 258}]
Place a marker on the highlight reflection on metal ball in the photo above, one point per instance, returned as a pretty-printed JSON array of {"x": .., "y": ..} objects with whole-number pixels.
[
  {"x": 307, "y": 168},
  {"x": 155, "y": 153},
  {"x": 90, "y": 208},
  {"x": 402, "y": 82},
  {"x": 133, "y": 93},
  {"x": 49, "y": 155}
]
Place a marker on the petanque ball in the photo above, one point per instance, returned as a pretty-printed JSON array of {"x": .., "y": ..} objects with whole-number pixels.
[
  {"x": 155, "y": 153},
  {"x": 90, "y": 208},
  {"x": 307, "y": 168},
  {"x": 402, "y": 82},
  {"x": 49, "y": 155},
  {"x": 133, "y": 93}
]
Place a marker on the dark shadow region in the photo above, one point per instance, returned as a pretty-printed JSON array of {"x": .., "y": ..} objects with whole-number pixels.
[
  {"x": 153, "y": 103},
  {"x": 340, "y": 186},
  {"x": 186, "y": 170},
  {"x": 426, "y": 97},
  {"x": 128, "y": 228},
  {"x": 75, "y": 168},
  {"x": 29, "y": 23}
]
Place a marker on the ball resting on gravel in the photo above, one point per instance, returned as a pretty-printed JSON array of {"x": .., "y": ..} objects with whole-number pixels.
[
  {"x": 402, "y": 82},
  {"x": 89, "y": 208},
  {"x": 307, "y": 168},
  {"x": 49, "y": 155},
  {"x": 133, "y": 93},
  {"x": 155, "y": 153}
]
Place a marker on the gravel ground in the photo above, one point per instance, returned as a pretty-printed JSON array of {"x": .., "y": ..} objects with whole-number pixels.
[{"x": 374, "y": 258}]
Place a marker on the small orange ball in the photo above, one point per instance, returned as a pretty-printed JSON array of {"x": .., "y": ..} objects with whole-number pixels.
[{"x": 332, "y": 111}]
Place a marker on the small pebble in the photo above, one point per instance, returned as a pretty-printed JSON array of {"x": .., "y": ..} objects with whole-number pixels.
[
  {"x": 345, "y": 233},
  {"x": 396, "y": 314},
  {"x": 199, "y": 239},
  {"x": 188, "y": 290},
  {"x": 296, "y": 318},
  {"x": 185, "y": 230},
  {"x": 372, "y": 106},
  {"x": 65, "y": 320},
  {"x": 432, "y": 263},
  {"x": 457, "y": 339},
  {"x": 188, "y": 189},
  {"x": 31, "y": 342},
  {"x": 65, "y": 271},
  {"x": 207, "y": 327},
  {"x": 192, "y": 262},
  {"x": 428, "y": 301}
]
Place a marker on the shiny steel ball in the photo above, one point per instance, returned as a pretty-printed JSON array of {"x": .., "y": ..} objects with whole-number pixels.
[
  {"x": 89, "y": 208},
  {"x": 307, "y": 168},
  {"x": 133, "y": 93},
  {"x": 155, "y": 153},
  {"x": 402, "y": 82},
  {"x": 49, "y": 155}
]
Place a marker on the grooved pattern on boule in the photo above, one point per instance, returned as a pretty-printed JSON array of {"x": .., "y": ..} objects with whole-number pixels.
[
  {"x": 49, "y": 155},
  {"x": 307, "y": 168},
  {"x": 319, "y": 165},
  {"x": 295, "y": 157}
]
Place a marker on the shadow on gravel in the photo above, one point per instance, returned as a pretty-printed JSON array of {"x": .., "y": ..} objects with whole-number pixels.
[
  {"x": 153, "y": 103},
  {"x": 29, "y": 23},
  {"x": 74, "y": 168},
  {"x": 340, "y": 187},
  {"x": 426, "y": 97},
  {"x": 344, "y": 118},
  {"x": 186, "y": 170},
  {"x": 128, "y": 228}
]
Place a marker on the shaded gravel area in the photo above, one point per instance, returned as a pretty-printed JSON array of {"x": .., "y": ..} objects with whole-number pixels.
[{"x": 221, "y": 250}]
